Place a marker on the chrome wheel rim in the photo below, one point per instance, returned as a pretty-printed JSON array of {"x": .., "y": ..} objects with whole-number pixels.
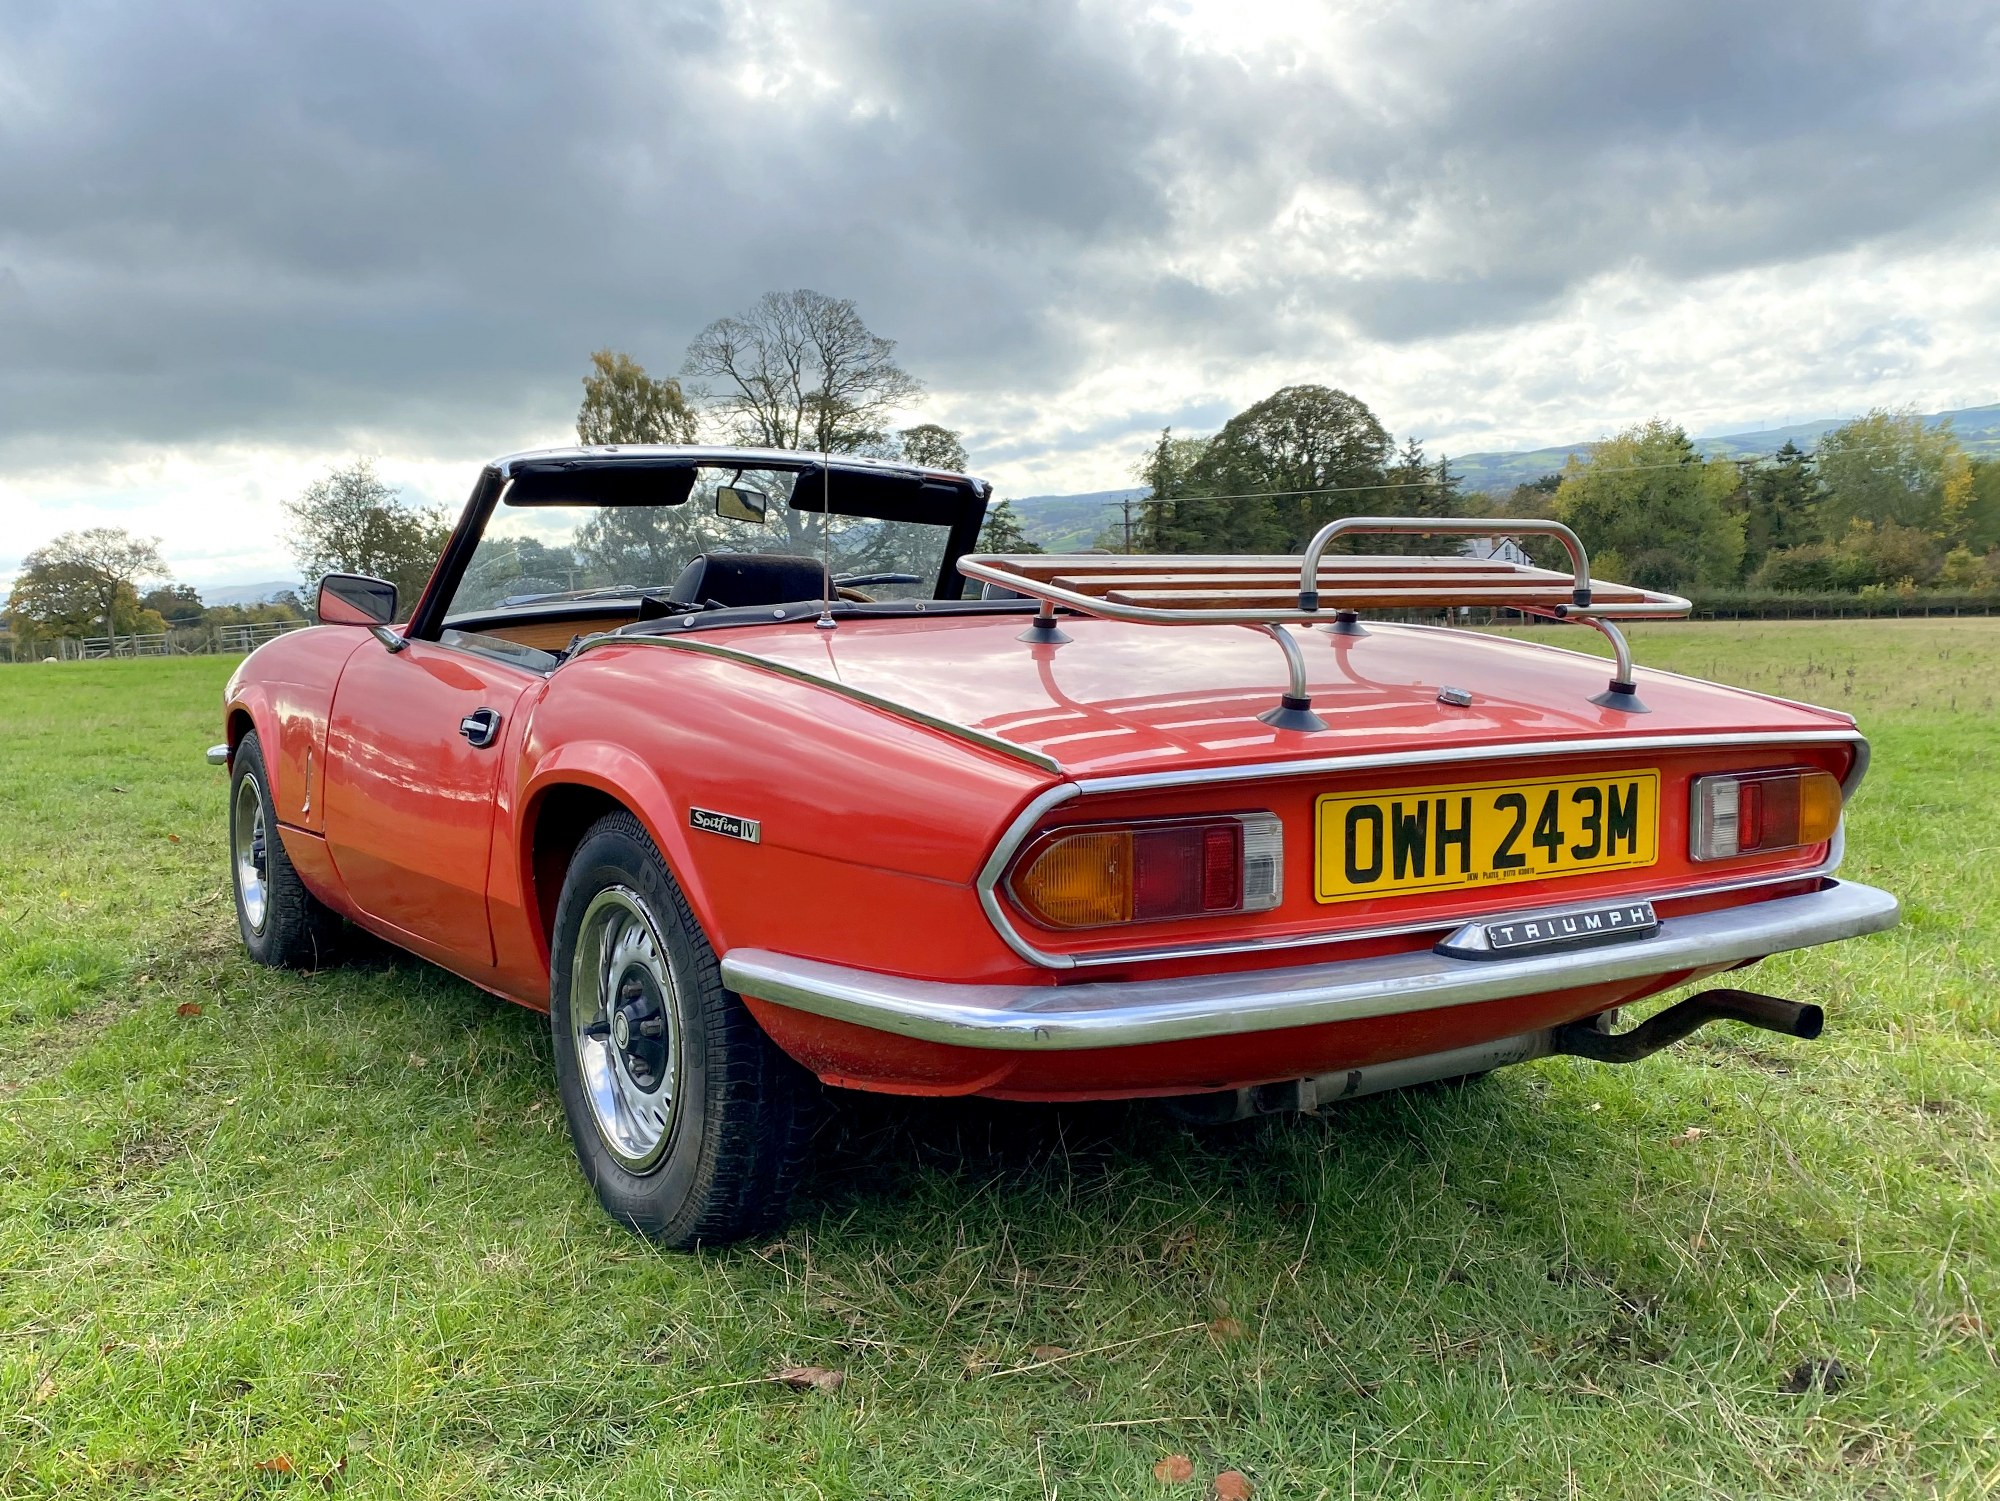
[
  {"x": 253, "y": 859},
  {"x": 622, "y": 1019}
]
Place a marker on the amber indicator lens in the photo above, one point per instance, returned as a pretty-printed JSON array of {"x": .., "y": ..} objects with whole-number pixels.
[
  {"x": 1763, "y": 812},
  {"x": 1100, "y": 875}
]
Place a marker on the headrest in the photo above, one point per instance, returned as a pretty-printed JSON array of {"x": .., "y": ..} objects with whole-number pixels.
[{"x": 731, "y": 579}]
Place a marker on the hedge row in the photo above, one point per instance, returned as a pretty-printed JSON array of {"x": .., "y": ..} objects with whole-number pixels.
[{"x": 1765, "y": 605}]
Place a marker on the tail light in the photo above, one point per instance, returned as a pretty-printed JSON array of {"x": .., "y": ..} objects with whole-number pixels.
[
  {"x": 1756, "y": 813},
  {"x": 1099, "y": 875}
]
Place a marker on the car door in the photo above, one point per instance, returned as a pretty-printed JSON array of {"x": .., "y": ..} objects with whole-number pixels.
[{"x": 414, "y": 749}]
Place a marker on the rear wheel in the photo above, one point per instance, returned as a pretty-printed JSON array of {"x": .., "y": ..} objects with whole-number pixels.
[
  {"x": 687, "y": 1121},
  {"x": 282, "y": 923}
]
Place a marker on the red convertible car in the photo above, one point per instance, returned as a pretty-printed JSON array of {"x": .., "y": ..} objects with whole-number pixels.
[{"x": 746, "y": 768}]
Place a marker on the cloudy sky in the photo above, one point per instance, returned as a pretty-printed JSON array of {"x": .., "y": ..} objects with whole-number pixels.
[{"x": 241, "y": 241}]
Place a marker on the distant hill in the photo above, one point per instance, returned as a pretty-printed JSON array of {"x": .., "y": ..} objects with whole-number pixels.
[
  {"x": 1065, "y": 523},
  {"x": 1070, "y": 523},
  {"x": 1978, "y": 428},
  {"x": 244, "y": 594}
]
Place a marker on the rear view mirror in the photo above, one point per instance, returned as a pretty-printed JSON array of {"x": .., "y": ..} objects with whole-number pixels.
[
  {"x": 734, "y": 503},
  {"x": 355, "y": 599}
]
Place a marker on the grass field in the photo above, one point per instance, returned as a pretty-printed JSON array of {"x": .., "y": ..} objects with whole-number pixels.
[{"x": 271, "y": 1234}]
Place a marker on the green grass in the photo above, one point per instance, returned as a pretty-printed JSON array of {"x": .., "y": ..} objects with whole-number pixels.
[{"x": 325, "y": 1236}]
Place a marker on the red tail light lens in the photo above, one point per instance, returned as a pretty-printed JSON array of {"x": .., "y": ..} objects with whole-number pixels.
[
  {"x": 1763, "y": 812},
  {"x": 1099, "y": 875}
]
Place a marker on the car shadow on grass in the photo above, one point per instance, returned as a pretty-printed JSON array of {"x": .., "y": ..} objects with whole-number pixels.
[{"x": 884, "y": 1168}]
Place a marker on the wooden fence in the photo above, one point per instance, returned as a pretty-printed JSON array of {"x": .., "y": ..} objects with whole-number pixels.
[{"x": 185, "y": 641}]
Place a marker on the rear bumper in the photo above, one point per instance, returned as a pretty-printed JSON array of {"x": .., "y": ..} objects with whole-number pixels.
[{"x": 1112, "y": 1014}]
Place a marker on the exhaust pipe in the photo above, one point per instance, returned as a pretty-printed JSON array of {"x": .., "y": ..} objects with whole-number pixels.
[
  {"x": 1793, "y": 1018},
  {"x": 1581, "y": 1039}
]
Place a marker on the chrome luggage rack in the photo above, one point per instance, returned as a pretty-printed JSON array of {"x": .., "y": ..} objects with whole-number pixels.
[{"x": 1271, "y": 592}]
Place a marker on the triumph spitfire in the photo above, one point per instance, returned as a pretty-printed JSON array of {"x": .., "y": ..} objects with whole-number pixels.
[{"x": 747, "y": 769}]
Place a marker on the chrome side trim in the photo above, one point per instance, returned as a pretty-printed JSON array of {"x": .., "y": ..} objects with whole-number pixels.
[
  {"x": 1113, "y": 1014},
  {"x": 901, "y": 710},
  {"x": 1609, "y": 744},
  {"x": 988, "y": 882},
  {"x": 218, "y": 755},
  {"x": 1024, "y": 823}
]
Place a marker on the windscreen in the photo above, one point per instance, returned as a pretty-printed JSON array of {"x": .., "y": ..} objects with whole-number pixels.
[{"x": 544, "y": 552}]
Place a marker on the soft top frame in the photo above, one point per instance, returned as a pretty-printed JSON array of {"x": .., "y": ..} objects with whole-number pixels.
[{"x": 663, "y": 474}]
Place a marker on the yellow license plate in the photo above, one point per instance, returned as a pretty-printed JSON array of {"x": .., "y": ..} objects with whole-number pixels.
[{"x": 1441, "y": 838}]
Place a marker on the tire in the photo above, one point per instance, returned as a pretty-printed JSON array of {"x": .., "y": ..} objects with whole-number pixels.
[
  {"x": 688, "y": 1122},
  {"x": 282, "y": 923}
]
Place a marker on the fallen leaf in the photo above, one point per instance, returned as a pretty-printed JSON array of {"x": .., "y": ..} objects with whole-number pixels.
[
  {"x": 1178, "y": 1244},
  {"x": 44, "y": 1389},
  {"x": 416, "y": 1062},
  {"x": 1693, "y": 1133},
  {"x": 277, "y": 1464},
  {"x": 1226, "y": 1328},
  {"x": 810, "y": 1378},
  {"x": 117, "y": 789},
  {"x": 1824, "y": 1372},
  {"x": 173, "y": 839},
  {"x": 1233, "y": 1485},
  {"x": 188, "y": 1008},
  {"x": 1174, "y": 1469},
  {"x": 1049, "y": 1352}
]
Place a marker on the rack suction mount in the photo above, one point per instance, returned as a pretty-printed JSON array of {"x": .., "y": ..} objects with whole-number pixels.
[
  {"x": 1295, "y": 705},
  {"x": 1623, "y": 694},
  {"x": 1293, "y": 714},
  {"x": 1043, "y": 630}
]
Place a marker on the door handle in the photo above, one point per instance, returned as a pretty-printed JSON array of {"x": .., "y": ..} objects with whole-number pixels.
[{"x": 481, "y": 727}]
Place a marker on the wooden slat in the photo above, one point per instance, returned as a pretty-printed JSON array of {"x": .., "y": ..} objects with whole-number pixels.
[
  {"x": 1097, "y": 583},
  {"x": 1047, "y": 565},
  {"x": 1262, "y": 583}
]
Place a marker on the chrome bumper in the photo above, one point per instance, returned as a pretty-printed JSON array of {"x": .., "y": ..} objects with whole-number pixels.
[{"x": 1113, "y": 1014}]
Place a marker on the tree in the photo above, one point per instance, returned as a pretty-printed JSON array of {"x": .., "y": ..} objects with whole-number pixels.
[
  {"x": 1983, "y": 517},
  {"x": 1866, "y": 555},
  {"x": 84, "y": 581},
  {"x": 351, "y": 522},
  {"x": 1417, "y": 487},
  {"x": 1003, "y": 532},
  {"x": 1281, "y": 469},
  {"x": 801, "y": 370},
  {"x": 1780, "y": 504},
  {"x": 1893, "y": 467},
  {"x": 1172, "y": 519},
  {"x": 176, "y": 604},
  {"x": 1652, "y": 511},
  {"x": 934, "y": 447},
  {"x": 623, "y": 404},
  {"x": 1311, "y": 452}
]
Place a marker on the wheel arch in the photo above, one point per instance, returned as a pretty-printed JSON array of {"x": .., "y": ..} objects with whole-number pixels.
[
  {"x": 249, "y": 709},
  {"x": 567, "y": 795}
]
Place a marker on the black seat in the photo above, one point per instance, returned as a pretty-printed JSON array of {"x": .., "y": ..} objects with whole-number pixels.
[{"x": 731, "y": 579}]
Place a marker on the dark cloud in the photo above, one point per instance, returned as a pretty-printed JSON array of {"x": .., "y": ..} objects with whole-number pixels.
[{"x": 291, "y": 223}]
